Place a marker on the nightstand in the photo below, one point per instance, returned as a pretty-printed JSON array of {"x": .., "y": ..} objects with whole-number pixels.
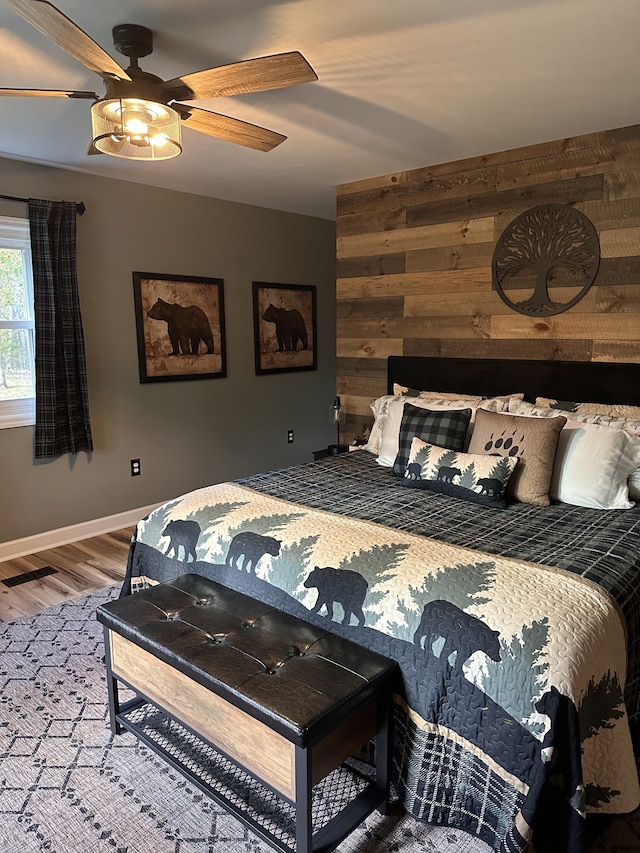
[{"x": 332, "y": 450}]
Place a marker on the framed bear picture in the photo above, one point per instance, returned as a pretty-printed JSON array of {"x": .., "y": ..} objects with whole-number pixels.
[
  {"x": 284, "y": 323},
  {"x": 180, "y": 326}
]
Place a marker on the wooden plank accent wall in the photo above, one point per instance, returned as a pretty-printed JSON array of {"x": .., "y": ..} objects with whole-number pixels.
[{"x": 414, "y": 253}]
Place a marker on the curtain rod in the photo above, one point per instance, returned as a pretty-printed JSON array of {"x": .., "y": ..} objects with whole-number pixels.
[{"x": 79, "y": 205}]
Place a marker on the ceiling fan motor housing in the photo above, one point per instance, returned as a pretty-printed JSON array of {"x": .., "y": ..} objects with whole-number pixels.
[{"x": 133, "y": 40}]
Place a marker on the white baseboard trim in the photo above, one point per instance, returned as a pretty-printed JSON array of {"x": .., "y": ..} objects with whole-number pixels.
[{"x": 73, "y": 533}]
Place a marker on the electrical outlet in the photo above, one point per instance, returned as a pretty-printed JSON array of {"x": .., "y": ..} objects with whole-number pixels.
[
  {"x": 135, "y": 467},
  {"x": 290, "y": 436}
]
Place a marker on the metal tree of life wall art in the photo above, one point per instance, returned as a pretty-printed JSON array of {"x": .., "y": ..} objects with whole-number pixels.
[{"x": 547, "y": 260}]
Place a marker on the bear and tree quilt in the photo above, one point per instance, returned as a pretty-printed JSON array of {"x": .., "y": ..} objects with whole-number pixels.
[{"x": 513, "y": 718}]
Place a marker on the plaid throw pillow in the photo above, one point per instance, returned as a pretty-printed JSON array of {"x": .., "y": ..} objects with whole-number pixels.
[{"x": 446, "y": 429}]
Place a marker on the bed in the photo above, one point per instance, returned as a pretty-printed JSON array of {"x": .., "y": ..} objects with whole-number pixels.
[{"x": 514, "y": 617}]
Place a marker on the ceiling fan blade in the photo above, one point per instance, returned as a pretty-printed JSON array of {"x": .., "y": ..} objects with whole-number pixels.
[
  {"x": 251, "y": 75},
  {"x": 230, "y": 129},
  {"x": 62, "y": 31},
  {"x": 46, "y": 93}
]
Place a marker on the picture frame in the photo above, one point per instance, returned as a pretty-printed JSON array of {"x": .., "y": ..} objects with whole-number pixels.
[
  {"x": 285, "y": 327},
  {"x": 180, "y": 327}
]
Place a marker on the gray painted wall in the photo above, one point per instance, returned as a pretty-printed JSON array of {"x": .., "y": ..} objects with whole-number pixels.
[{"x": 188, "y": 434}]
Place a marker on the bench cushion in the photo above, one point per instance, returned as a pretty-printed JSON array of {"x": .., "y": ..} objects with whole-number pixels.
[{"x": 295, "y": 677}]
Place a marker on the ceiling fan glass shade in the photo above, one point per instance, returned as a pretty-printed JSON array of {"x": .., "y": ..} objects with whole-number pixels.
[{"x": 135, "y": 129}]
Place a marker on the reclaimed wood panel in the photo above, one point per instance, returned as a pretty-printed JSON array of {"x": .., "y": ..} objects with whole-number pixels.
[
  {"x": 625, "y": 184},
  {"x": 470, "y": 303},
  {"x": 378, "y": 348},
  {"x": 512, "y": 201},
  {"x": 616, "y": 351},
  {"x": 547, "y": 350},
  {"x": 618, "y": 299},
  {"x": 513, "y": 155},
  {"x": 417, "y": 191},
  {"x": 375, "y": 288},
  {"x": 452, "y": 326},
  {"x": 604, "y": 327},
  {"x": 382, "y": 265},
  {"x": 361, "y": 366},
  {"x": 458, "y": 257},
  {"x": 610, "y": 214},
  {"x": 620, "y": 242},
  {"x": 415, "y": 250},
  {"x": 385, "y": 306},
  {"x": 445, "y": 234},
  {"x": 568, "y": 164},
  {"x": 386, "y": 220},
  {"x": 618, "y": 271}
]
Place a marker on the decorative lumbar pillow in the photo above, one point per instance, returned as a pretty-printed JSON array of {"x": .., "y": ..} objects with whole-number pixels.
[
  {"x": 447, "y": 428},
  {"x": 533, "y": 441},
  {"x": 614, "y": 410},
  {"x": 475, "y": 477},
  {"x": 592, "y": 466}
]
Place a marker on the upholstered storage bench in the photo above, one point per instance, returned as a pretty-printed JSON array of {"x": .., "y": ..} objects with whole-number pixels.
[{"x": 254, "y": 706}]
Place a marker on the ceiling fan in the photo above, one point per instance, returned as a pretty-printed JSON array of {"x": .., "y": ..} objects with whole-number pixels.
[{"x": 140, "y": 115}]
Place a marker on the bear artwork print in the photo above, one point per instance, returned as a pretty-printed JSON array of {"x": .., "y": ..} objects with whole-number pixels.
[
  {"x": 284, "y": 327},
  {"x": 180, "y": 327}
]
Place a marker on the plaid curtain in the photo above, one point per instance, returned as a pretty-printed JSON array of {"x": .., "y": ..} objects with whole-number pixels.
[{"x": 62, "y": 407}]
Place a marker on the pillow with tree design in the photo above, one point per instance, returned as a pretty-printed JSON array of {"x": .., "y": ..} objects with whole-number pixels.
[{"x": 476, "y": 477}]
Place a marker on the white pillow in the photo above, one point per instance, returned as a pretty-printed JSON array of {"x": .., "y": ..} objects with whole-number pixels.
[
  {"x": 630, "y": 426},
  {"x": 379, "y": 408},
  {"x": 592, "y": 465}
]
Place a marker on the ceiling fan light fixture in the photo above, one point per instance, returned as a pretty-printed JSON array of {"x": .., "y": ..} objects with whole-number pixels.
[{"x": 136, "y": 129}]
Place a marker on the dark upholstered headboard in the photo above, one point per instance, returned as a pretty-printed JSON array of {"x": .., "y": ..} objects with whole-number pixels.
[{"x": 578, "y": 381}]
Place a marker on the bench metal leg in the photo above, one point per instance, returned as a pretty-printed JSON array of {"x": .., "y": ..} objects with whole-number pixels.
[
  {"x": 112, "y": 688},
  {"x": 304, "y": 825},
  {"x": 383, "y": 753}
]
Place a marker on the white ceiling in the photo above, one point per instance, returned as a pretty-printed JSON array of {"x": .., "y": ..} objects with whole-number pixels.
[{"x": 402, "y": 84}]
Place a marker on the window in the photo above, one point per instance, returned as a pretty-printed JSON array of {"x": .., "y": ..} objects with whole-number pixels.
[{"x": 17, "y": 335}]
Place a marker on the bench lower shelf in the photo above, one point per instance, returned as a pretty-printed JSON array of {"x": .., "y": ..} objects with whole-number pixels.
[{"x": 339, "y": 802}]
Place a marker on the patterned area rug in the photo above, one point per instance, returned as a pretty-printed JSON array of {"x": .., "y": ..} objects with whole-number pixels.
[{"x": 68, "y": 786}]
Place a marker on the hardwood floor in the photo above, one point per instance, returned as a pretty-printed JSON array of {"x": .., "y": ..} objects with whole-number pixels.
[{"x": 32, "y": 583}]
